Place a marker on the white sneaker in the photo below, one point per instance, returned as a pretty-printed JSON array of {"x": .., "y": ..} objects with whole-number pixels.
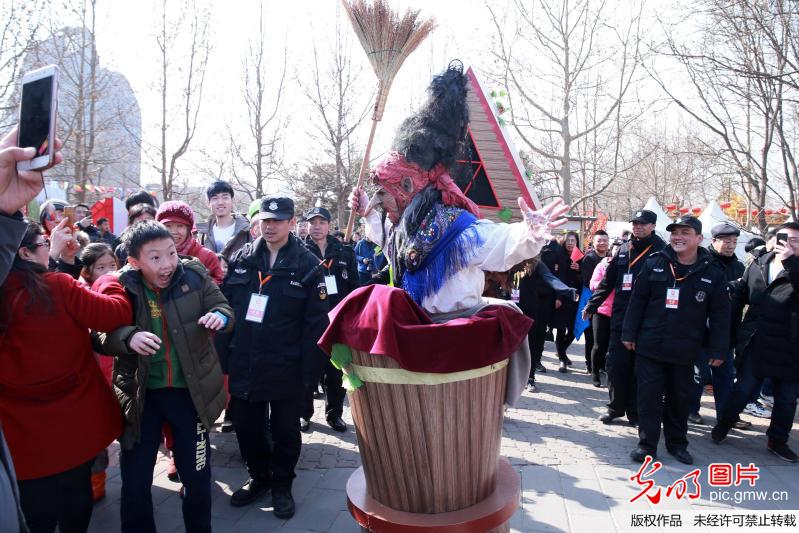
[
  {"x": 758, "y": 410},
  {"x": 767, "y": 401}
]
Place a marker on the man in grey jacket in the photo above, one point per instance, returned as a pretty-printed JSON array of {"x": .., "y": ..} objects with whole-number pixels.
[
  {"x": 16, "y": 190},
  {"x": 226, "y": 232}
]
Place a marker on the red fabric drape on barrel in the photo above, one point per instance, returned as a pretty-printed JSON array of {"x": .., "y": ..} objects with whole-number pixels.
[{"x": 384, "y": 320}]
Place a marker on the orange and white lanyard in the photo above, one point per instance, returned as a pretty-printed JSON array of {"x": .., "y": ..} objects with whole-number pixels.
[
  {"x": 263, "y": 281},
  {"x": 642, "y": 254}
]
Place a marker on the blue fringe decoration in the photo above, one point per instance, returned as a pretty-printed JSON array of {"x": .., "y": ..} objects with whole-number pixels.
[{"x": 450, "y": 254}]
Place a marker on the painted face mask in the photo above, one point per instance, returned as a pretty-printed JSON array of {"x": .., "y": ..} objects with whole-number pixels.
[{"x": 402, "y": 180}]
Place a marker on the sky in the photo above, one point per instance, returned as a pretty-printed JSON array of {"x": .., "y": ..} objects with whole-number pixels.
[{"x": 126, "y": 44}]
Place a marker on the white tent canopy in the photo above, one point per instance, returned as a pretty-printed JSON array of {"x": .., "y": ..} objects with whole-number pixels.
[
  {"x": 663, "y": 219},
  {"x": 712, "y": 215}
]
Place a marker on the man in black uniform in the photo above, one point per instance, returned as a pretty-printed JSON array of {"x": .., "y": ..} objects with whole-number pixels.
[
  {"x": 767, "y": 340},
  {"x": 680, "y": 290},
  {"x": 281, "y": 312},
  {"x": 722, "y": 250},
  {"x": 339, "y": 266},
  {"x": 588, "y": 263},
  {"x": 620, "y": 275}
]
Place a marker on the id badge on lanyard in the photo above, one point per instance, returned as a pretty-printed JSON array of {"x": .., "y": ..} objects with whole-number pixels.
[
  {"x": 627, "y": 282},
  {"x": 672, "y": 298},
  {"x": 330, "y": 284},
  {"x": 673, "y": 294},
  {"x": 627, "y": 279},
  {"x": 256, "y": 310}
]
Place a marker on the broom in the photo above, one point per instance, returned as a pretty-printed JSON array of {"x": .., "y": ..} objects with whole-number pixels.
[{"x": 388, "y": 40}]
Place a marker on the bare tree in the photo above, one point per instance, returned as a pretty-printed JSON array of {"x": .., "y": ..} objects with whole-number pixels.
[
  {"x": 96, "y": 106},
  {"x": 567, "y": 69},
  {"x": 338, "y": 109},
  {"x": 19, "y": 23},
  {"x": 260, "y": 157},
  {"x": 183, "y": 45},
  {"x": 744, "y": 83},
  {"x": 676, "y": 167}
]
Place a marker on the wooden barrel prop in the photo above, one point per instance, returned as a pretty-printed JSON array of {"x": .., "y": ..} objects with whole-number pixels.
[{"x": 429, "y": 448}]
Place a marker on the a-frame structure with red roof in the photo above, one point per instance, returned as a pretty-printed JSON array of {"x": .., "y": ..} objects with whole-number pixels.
[{"x": 497, "y": 175}]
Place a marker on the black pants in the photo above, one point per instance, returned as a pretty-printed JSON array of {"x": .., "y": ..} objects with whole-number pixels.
[
  {"x": 63, "y": 499},
  {"x": 664, "y": 396},
  {"x": 563, "y": 321},
  {"x": 192, "y": 459},
  {"x": 588, "y": 336},
  {"x": 249, "y": 420},
  {"x": 783, "y": 411},
  {"x": 564, "y": 339},
  {"x": 334, "y": 393},
  {"x": 621, "y": 378},
  {"x": 600, "y": 336},
  {"x": 538, "y": 333}
]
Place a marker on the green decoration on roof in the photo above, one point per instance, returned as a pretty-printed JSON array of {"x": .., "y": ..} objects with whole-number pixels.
[{"x": 505, "y": 214}]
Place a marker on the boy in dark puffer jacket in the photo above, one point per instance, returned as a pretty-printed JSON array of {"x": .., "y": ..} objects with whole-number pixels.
[{"x": 166, "y": 370}]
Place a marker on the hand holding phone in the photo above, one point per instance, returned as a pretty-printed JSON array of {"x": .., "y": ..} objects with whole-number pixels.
[
  {"x": 69, "y": 214},
  {"x": 19, "y": 188},
  {"x": 37, "y": 117}
]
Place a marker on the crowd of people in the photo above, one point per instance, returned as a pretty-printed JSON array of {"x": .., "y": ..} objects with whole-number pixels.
[
  {"x": 668, "y": 320},
  {"x": 160, "y": 330},
  {"x": 176, "y": 323}
]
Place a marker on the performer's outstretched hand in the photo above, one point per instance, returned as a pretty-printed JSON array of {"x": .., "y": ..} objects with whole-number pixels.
[{"x": 548, "y": 218}]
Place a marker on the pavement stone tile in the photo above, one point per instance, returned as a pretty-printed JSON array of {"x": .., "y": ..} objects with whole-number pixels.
[
  {"x": 324, "y": 505},
  {"x": 575, "y": 471}
]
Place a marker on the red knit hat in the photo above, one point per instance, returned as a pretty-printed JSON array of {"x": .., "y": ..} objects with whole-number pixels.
[{"x": 175, "y": 211}]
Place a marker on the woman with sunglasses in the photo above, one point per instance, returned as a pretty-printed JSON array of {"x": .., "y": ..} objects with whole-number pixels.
[{"x": 56, "y": 409}]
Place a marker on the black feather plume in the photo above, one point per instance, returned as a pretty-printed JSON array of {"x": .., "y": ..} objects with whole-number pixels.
[{"x": 437, "y": 132}]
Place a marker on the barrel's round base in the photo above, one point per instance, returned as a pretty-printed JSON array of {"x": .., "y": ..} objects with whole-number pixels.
[{"x": 491, "y": 514}]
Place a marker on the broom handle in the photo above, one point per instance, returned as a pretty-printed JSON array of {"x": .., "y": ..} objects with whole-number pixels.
[{"x": 361, "y": 175}]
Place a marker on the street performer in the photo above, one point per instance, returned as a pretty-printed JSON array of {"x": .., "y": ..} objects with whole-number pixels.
[
  {"x": 430, "y": 364},
  {"x": 437, "y": 246}
]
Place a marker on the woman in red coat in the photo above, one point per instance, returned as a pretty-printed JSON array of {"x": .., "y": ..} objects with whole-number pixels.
[{"x": 56, "y": 408}]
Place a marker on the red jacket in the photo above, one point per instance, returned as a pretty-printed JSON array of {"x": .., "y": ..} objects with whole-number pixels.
[
  {"x": 208, "y": 258},
  {"x": 56, "y": 408},
  {"x": 106, "y": 362}
]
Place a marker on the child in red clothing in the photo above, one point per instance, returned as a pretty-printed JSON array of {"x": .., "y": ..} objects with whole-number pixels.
[{"x": 98, "y": 259}]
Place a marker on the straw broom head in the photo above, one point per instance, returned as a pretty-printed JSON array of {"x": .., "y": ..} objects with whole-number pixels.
[{"x": 388, "y": 38}]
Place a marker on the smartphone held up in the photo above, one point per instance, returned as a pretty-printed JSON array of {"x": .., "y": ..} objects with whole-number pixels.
[{"x": 37, "y": 117}]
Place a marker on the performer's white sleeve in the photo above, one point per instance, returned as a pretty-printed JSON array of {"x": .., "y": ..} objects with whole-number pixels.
[
  {"x": 374, "y": 229},
  {"x": 505, "y": 245}
]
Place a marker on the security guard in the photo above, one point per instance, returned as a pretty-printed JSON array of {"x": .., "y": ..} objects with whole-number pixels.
[
  {"x": 339, "y": 265},
  {"x": 281, "y": 312},
  {"x": 620, "y": 275},
  {"x": 680, "y": 290},
  {"x": 722, "y": 250}
]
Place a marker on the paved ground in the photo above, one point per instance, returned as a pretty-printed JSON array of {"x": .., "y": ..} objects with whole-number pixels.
[{"x": 575, "y": 471}]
